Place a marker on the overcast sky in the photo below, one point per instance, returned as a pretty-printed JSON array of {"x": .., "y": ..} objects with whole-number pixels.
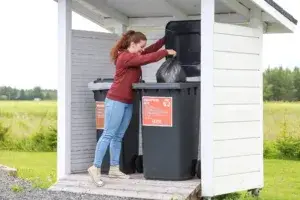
[{"x": 28, "y": 42}]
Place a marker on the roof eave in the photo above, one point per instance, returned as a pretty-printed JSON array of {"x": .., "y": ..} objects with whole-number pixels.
[{"x": 282, "y": 22}]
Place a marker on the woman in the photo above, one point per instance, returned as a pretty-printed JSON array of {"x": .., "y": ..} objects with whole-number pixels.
[{"x": 128, "y": 54}]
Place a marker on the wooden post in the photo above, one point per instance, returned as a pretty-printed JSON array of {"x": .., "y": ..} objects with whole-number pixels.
[
  {"x": 257, "y": 23},
  {"x": 207, "y": 98},
  {"x": 64, "y": 88}
]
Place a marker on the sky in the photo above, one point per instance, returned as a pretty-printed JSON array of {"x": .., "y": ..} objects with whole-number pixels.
[{"x": 28, "y": 42}]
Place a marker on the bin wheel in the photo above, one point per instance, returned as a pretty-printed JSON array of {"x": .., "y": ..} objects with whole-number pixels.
[
  {"x": 255, "y": 192},
  {"x": 132, "y": 164},
  {"x": 194, "y": 167},
  {"x": 139, "y": 164},
  {"x": 198, "y": 169}
]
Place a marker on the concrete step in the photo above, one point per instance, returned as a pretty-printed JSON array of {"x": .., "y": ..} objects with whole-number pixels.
[{"x": 135, "y": 187}]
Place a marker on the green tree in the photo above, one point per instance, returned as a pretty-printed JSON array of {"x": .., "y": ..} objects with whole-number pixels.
[
  {"x": 22, "y": 95},
  {"x": 296, "y": 77},
  {"x": 9, "y": 93},
  {"x": 47, "y": 96},
  {"x": 267, "y": 90},
  {"x": 37, "y": 92}
]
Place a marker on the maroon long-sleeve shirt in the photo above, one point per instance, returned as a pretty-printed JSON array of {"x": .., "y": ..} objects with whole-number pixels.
[{"x": 128, "y": 70}]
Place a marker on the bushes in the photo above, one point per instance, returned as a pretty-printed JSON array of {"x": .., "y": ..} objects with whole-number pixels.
[
  {"x": 44, "y": 140},
  {"x": 28, "y": 126},
  {"x": 285, "y": 146},
  {"x": 3, "y": 132}
]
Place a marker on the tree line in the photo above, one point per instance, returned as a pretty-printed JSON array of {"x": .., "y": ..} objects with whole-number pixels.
[
  {"x": 280, "y": 84},
  {"x": 9, "y": 93}
]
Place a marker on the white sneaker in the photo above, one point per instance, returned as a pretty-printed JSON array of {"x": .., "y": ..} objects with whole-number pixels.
[
  {"x": 95, "y": 174},
  {"x": 115, "y": 172}
]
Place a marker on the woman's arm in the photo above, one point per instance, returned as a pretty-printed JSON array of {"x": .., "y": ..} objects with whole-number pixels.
[
  {"x": 155, "y": 47},
  {"x": 136, "y": 60}
]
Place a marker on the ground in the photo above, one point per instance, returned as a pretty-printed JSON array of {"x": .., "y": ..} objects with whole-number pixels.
[
  {"x": 282, "y": 177},
  {"x": 29, "y": 118},
  {"x": 40, "y": 168}
]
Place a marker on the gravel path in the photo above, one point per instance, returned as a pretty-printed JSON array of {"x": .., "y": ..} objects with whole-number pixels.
[{"x": 24, "y": 191}]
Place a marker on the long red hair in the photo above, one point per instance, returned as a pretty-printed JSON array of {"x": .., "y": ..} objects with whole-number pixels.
[{"x": 124, "y": 43}]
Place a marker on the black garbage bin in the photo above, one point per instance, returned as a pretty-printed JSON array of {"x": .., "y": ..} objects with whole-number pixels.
[
  {"x": 184, "y": 37},
  {"x": 130, "y": 143},
  {"x": 170, "y": 129}
]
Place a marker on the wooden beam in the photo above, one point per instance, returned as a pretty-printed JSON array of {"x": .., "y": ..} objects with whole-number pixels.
[
  {"x": 207, "y": 97},
  {"x": 101, "y": 7},
  {"x": 238, "y": 7},
  {"x": 280, "y": 19},
  {"x": 119, "y": 29},
  {"x": 177, "y": 13},
  {"x": 267, "y": 18},
  {"x": 88, "y": 14},
  {"x": 257, "y": 23},
  {"x": 274, "y": 28},
  {"x": 64, "y": 88},
  {"x": 162, "y": 21}
]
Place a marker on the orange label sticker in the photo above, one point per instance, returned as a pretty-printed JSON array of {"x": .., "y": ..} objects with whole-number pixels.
[
  {"x": 157, "y": 111},
  {"x": 100, "y": 114}
]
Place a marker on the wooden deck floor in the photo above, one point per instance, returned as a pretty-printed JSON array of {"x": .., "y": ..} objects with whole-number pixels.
[{"x": 135, "y": 187}]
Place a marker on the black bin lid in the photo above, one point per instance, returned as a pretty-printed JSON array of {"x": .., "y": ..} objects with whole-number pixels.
[
  {"x": 100, "y": 80},
  {"x": 184, "y": 38}
]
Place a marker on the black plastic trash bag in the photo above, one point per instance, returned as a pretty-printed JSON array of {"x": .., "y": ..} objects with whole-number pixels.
[{"x": 170, "y": 72}]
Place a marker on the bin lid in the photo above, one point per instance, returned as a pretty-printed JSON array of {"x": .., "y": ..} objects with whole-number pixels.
[
  {"x": 184, "y": 38},
  {"x": 99, "y": 86},
  {"x": 165, "y": 86},
  {"x": 103, "y": 80}
]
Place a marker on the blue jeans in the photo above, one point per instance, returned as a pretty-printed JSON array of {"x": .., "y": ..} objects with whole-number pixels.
[{"x": 116, "y": 121}]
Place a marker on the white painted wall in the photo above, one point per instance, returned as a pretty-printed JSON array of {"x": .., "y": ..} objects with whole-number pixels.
[
  {"x": 90, "y": 60},
  {"x": 237, "y": 133}
]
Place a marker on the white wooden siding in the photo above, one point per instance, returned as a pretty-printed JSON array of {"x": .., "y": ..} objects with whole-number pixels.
[
  {"x": 236, "y": 77},
  {"x": 250, "y": 129},
  {"x": 237, "y": 182},
  {"x": 237, "y": 122},
  {"x": 236, "y": 165},
  {"x": 236, "y": 147},
  {"x": 236, "y": 113},
  {"x": 90, "y": 60},
  {"x": 235, "y": 95}
]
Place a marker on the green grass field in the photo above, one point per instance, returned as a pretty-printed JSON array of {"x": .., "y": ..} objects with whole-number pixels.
[
  {"x": 28, "y": 125},
  {"x": 37, "y": 120},
  {"x": 278, "y": 116},
  {"x": 25, "y": 118},
  {"x": 38, "y": 167}
]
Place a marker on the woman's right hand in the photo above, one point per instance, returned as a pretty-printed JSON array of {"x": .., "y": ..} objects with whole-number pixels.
[{"x": 171, "y": 52}]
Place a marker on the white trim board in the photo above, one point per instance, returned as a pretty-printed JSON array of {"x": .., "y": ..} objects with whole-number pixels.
[
  {"x": 206, "y": 100},
  {"x": 263, "y": 5},
  {"x": 64, "y": 89}
]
